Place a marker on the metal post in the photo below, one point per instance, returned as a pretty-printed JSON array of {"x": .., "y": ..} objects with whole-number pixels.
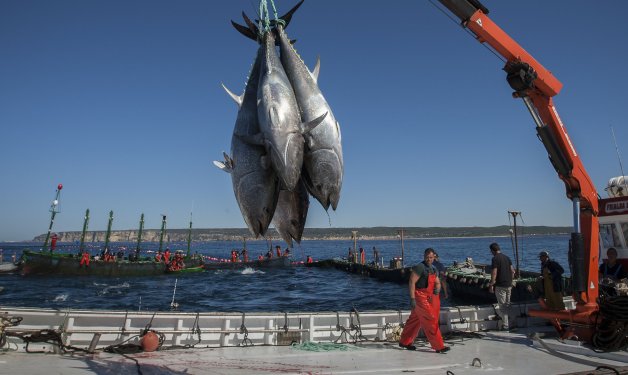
[
  {"x": 514, "y": 216},
  {"x": 162, "y": 232},
  {"x": 139, "y": 238},
  {"x": 108, "y": 235},
  {"x": 189, "y": 236},
  {"x": 53, "y": 209},
  {"x": 85, "y": 225},
  {"x": 354, "y": 235},
  {"x": 401, "y": 231}
]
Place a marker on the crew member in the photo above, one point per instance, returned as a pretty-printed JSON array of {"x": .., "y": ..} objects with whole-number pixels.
[
  {"x": 245, "y": 255},
  {"x": 167, "y": 255},
  {"x": 158, "y": 256},
  {"x": 269, "y": 254},
  {"x": 362, "y": 256},
  {"x": 501, "y": 282},
  {"x": 552, "y": 285},
  {"x": 612, "y": 269},
  {"x": 423, "y": 286},
  {"x": 278, "y": 248},
  {"x": 309, "y": 259},
  {"x": 84, "y": 259},
  {"x": 376, "y": 256},
  {"x": 286, "y": 253},
  {"x": 350, "y": 255}
]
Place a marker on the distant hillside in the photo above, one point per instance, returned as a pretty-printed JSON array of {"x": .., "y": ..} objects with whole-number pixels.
[{"x": 379, "y": 233}]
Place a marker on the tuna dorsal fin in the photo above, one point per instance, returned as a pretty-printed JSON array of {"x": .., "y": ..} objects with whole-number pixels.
[
  {"x": 236, "y": 98},
  {"x": 307, "y": 127},
  {"x": 223, "y": 166},
  {"x": 317, "y": 69}
]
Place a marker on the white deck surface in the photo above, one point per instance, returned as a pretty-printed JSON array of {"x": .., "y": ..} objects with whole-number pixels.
[{"x": 498, "y": 352}]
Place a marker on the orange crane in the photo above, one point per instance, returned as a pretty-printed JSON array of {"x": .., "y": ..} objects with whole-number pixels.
[{"x": 536, "y": 86}]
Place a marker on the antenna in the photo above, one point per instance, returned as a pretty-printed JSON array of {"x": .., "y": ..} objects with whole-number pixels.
[
  {"x": 174, "y": 305},
  {"x": 621, "y": 167}
]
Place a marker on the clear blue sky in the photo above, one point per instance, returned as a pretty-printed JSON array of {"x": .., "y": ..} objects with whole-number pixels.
[{"x": 120, "y": 101}]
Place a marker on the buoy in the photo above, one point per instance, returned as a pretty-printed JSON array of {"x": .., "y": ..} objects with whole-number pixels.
[{"x": 150, "y": 341}]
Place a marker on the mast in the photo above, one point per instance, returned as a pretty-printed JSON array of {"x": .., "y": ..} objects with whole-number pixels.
[
  {"x": 401, "y": 232},
  {"x": 85, "y": 225},
  {"x": 139, "y": 237},
  {"x": 189, "y": 237},
  {"x": 162, "y": 232},
  {"x": 53, "y": 210},
  {"x": 108, "y": 231},
  {"x": 514, "y": 216},
  {"x": 354, "y": 235}
]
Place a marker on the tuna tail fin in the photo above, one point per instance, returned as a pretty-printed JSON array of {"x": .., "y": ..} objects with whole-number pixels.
[
  {"x": 307, "y": 127},
  {"x": 244, "y": 31},
  {"x": 316, "y": 70},
  {"x": 252, "y": 31},
  {"x": 236, "y": 98}
]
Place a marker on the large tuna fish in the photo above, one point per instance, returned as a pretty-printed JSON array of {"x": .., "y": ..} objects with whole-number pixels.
[
  {"x": 255, "y": 187},
  {"x": 323, "y": 162},
  {"x": 291, "y": 213},
  {"x": 279, "y": 119}
]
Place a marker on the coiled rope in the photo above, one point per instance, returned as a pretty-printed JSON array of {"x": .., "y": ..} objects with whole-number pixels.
[{"x": 612, "y": 331}]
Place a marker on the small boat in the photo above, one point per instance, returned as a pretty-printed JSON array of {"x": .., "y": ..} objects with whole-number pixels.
[
  {"x": 8, "y": 267},
  {"x": 39, "y": 263},
  {"x": 274, "y": 262},
  {"x": 468, "y": 281},
  {"x": 194, "y": 269}
]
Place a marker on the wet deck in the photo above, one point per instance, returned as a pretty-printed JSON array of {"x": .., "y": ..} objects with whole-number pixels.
[{"x": 496, "y": 352}]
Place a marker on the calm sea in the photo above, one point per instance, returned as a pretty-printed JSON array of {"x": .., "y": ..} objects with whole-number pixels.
[{"x": 288, "y": 290}]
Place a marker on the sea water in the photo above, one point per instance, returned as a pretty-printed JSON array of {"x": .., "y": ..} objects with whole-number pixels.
[{"x": 290, "y": 289}]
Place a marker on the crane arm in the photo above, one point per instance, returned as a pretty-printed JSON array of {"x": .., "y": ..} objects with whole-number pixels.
[{"x": 536, "y": 85}]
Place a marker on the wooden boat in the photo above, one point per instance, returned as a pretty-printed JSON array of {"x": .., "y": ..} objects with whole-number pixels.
[
  {"x": 468, "y": 281},
  {"x": 274, "y": 262},
  {"x": 391, "y": 274},
  {"x": 38, "y": 263},
  {"x": 194, "y": 269}
]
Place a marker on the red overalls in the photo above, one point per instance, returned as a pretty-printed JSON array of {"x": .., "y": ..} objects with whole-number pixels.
[
  {"x": 423, "y": 316},
  {"x": 84, "y": 259}
]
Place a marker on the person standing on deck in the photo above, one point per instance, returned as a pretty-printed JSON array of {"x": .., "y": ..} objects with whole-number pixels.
[
  {"x": 552, "y": 283},
  {"x": 501, "y": 282},
  {"x": 362, "y": 256},
  {"x": 376, "y": 256},
  {"x": 423, "y": 286},
  {"x": 350, "y": 256},
  {"x": 245, "y": 255},
  {"x": 611, "y": 268},
  {"x": 278, "y": 249},
  {"x": 167, "y": 255}
]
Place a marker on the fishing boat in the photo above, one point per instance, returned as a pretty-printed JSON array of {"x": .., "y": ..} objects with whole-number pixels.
[
  {"x": 469, "y": 281},
  {"x": 52, "y": 263},
  {"x": 274, "y": 262},
  {"x": 89, "y": 341},
  {"x": 613, "y": 218},
  {"x": 394, "y": 272}
]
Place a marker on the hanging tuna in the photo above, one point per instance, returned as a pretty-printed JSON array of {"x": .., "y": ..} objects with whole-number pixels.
[{"x": 291, "y": 145}]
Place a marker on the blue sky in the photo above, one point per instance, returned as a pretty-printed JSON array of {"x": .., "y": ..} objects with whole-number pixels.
[{"x": 120, "y": 101}]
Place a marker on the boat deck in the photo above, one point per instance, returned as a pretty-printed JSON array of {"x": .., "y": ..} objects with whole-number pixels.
[{"x": 494, "y": 352}]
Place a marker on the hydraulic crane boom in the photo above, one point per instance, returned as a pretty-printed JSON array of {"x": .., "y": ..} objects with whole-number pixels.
[{"x": 536, "y": 85}]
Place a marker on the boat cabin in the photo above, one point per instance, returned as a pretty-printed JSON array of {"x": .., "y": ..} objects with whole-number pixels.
[{"x": 613, "y": 217}]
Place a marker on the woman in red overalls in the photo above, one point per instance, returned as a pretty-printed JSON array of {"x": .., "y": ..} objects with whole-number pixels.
[{"x": 424, "y": 285}]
